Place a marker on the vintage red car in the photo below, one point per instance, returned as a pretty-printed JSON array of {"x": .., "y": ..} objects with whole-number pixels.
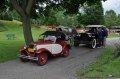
[{"x": 53, "y": 43}]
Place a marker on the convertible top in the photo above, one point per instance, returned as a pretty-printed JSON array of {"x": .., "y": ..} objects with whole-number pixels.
[{"x": 54, "y": 33}]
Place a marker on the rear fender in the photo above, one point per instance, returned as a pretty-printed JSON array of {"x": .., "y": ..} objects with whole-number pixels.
[{"x": 66, "y": 45}]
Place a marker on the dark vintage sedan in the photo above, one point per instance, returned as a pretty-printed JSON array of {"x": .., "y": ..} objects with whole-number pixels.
[{"x": 89, "y": 37}]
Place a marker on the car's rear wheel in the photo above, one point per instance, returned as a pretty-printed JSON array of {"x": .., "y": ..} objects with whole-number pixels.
[
  {"x": 42, "y": 59},
  {"x": 93, "y": 43},
  {"x": 66, "y": 52}
]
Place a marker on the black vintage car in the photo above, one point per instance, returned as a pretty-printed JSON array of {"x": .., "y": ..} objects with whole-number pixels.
[{"x": 89, "y": 37}]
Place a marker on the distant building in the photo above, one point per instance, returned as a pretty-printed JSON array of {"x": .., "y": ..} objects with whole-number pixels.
[{"x": 114, "y": 29}]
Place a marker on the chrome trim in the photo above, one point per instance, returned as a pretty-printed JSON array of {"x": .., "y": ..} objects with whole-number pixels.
[{"x": 28, "y": 57}]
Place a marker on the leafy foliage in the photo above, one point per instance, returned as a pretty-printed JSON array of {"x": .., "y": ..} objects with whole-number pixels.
[
  {"x": 92, "y": 14},
  {"x": 43, "y": 6},
  {"x": 4, "y": 6},
  {"x": 14, "y": 15},
  {"x": 57, "y": 17},
  {"x": 66, "y": 20},
  {"x": 110, "y": 18},
  {"x": 118, "y": 20}
]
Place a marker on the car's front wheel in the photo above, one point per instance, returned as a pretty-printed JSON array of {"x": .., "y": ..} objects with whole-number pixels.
[
  {"x": 93, "y": 43},
  {"x": 66, "y": 52},
  {"x": 42, "y": 59}
]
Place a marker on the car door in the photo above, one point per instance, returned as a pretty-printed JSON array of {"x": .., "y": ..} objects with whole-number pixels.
[{"x": 56, "y": 48}]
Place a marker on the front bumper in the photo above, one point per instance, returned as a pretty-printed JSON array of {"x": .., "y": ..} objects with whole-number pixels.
[{"x": 28, "y": 57}]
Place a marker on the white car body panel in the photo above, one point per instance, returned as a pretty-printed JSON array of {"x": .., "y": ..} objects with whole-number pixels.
[{"x": 53, "y": 48}]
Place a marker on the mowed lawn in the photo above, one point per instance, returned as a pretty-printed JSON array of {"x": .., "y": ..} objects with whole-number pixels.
[{"x": 9, "y": 49}]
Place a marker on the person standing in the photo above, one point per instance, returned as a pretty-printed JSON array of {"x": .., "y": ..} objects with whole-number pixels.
[
  {"x": 74, "y": 32},
  {"x": 105, "y": 35},
  {"x": 100, "y": 36}
]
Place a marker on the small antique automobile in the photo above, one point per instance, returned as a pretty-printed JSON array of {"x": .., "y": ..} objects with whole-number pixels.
[
  {"x": 89, "y": 37},
  {"x": 52, "y": 44}
]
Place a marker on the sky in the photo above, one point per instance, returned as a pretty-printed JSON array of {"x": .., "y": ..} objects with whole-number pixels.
[{"x": 112, "y": 4}]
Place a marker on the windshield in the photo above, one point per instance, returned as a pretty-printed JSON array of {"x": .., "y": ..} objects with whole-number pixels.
[{"x": 50, "y": 38}]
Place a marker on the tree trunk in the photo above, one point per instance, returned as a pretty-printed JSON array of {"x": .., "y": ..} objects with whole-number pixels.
[
  {"x": 24, "y": 10},
  {"x": 27, "y": 30}
]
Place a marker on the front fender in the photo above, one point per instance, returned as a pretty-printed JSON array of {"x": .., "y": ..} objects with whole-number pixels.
[{"x": 22, "y": 48}]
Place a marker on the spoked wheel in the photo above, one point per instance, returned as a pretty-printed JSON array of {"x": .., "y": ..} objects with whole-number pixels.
[
  {"x": 93, "y": 43},
  {"x": 42, "y": 59},
  {"x": 66, "y": 52}
]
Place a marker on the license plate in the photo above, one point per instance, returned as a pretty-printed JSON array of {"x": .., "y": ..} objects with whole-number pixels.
[{"x": 30, "y": 50}]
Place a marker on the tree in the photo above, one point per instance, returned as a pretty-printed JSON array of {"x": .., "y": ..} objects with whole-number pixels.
[
  {"x": 24, "y": 7},
  {"x": 110, "y": 18},
  {"x": 118, "y": 20},
  {"x": 14, "y": 15},
  {"x": 3, "y": 5},
  {"x": 65, "y": 20},
  {"x": 92, "y": 14},
  {"x": 4, "y": 14},
  {"x": 50, "y": 19}
]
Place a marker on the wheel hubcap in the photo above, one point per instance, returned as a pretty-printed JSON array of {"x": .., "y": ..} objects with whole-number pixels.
[{"x": 43, "y": 58}]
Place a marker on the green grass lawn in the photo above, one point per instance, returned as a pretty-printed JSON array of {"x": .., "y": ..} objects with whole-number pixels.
[
  {"x": 106, "y": 66},
  {"x": 9, "y": 48},
  {"x": 112, "y": 35}
]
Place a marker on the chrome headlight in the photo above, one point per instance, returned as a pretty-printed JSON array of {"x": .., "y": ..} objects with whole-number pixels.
[{"x": 25, "y": 47}]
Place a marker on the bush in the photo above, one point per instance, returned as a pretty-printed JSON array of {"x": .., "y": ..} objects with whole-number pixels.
[{"x": 6, "y": 17}]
